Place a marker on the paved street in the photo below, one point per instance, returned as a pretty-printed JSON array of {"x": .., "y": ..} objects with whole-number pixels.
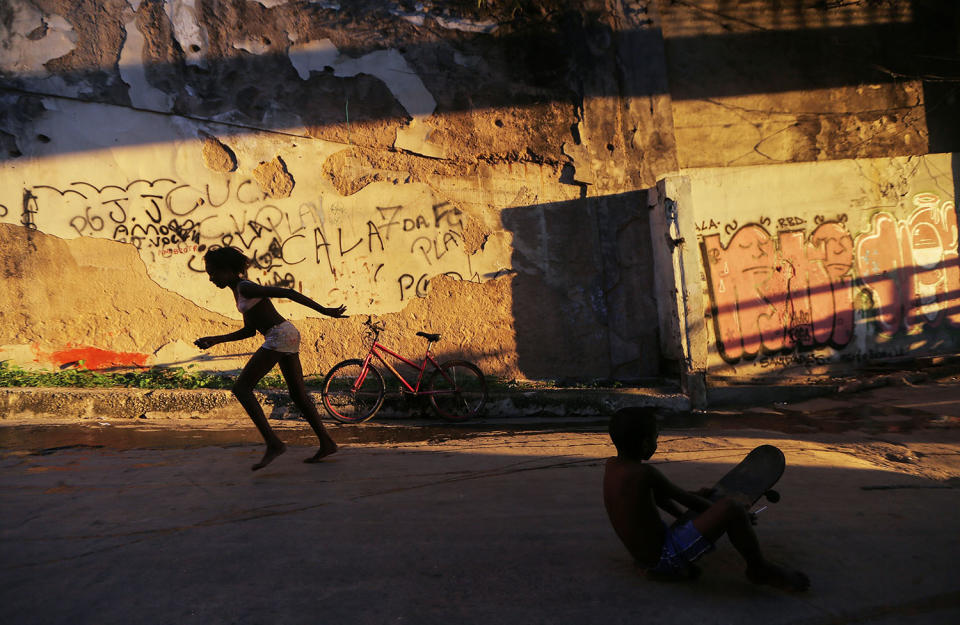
[{"x": 501, "y": 523}]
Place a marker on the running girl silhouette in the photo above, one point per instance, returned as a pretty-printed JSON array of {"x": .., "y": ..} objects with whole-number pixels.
[{"x": 227, "y": 267}]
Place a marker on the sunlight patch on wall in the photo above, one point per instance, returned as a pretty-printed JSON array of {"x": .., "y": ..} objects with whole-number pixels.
[
  {"x": 374, "y": 250},
  {"x": 718, "y": 17}
]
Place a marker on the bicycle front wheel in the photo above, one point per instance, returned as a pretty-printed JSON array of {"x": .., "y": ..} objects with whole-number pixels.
[
  {"x": 457, "y": 390},
  {"x": 348, "y": 397}
]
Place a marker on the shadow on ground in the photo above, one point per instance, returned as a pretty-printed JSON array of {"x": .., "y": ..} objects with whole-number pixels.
[{"x": 489, "y": 529}]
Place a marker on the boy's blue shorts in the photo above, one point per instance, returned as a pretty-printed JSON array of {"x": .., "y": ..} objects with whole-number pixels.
[{"x": 682, "y": 544}]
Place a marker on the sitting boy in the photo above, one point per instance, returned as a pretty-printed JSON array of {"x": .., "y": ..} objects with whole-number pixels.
[{"x": 632, "y": 492}]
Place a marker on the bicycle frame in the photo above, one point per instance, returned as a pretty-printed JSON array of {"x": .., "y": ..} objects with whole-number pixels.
[
  {"x": 353, "y": 396},
  {"x": 377, "y": 348}
]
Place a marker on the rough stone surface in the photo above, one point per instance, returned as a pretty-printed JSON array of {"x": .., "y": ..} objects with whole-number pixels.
[
  {"x": 218, "y": 157},
  {"x": 274, "y": 179},
  {"x": 123, "y": 310}
]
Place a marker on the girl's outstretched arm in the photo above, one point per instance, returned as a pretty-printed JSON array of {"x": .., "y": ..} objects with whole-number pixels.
[
  {"x": 209, "y": 341},
  {"x": 251, "y": 289}
]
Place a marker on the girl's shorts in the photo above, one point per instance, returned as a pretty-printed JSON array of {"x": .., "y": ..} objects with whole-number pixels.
[{"x": 282, "y": 337}]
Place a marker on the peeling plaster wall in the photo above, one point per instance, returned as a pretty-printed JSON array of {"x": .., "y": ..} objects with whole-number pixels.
[
  {"x": 475, "y": 169},
  {"x": 376, "y": 250},
  {"x": 818, "y": 268},
  {"x": 440, "y": 166}
]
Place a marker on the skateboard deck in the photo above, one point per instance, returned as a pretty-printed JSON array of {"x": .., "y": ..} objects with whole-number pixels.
[{"x": 753, "y": 478}]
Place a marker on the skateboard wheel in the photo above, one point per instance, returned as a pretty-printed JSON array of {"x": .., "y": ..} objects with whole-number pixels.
[{"x": 772, "y": 496}]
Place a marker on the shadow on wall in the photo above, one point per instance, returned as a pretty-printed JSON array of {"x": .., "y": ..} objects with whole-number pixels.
[
  {"x": 955, "y": 171},
  {"x": 772, "y": 332},
  {"x": 583, "y": 302},
  {"x": 551, "y": 58}
]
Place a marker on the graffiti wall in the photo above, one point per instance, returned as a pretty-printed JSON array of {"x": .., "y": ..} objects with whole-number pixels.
[
  {"x": 372, "y": 251},
  {"x": 814, "y": 267},
  {"x": 376, "y": 250},
  {"x": 360, "y": 153}
]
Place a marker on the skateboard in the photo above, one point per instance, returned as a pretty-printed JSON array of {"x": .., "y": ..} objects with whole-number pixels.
[{"x": 752, "y": 479}]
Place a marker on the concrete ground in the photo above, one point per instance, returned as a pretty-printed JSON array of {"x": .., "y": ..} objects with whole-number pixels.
[{"x": 501, "y": 522}]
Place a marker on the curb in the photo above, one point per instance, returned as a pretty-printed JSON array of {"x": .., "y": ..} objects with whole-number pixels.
[
  {"x": 742, "y": 395},
  {"x": 62, "y": 404},
  {"x": 83, "y": 404}
]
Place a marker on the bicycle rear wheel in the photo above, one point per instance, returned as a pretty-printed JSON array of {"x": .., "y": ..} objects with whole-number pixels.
[
  {"x": 457, "y": 390},
  {"x": 347, "y": 404}
]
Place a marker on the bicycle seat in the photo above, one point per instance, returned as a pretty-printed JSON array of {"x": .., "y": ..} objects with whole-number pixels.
[{"x": 433, "y": 338}]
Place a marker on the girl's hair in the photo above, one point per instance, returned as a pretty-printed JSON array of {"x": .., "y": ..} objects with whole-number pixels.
[
  {"x": 229, "y": 258},
  {"x": 631, "y": 427}
]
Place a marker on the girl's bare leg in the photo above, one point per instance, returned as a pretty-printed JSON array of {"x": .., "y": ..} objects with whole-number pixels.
[
  {"x": 293, "y": 374},
  {"x": 258, "y": 366}
]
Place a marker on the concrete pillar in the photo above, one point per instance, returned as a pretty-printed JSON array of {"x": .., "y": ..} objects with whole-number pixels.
[{"x": 677, "y": 262}]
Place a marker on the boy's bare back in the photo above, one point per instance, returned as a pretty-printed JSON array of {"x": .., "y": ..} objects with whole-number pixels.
[{"x": 629, "y": 499}]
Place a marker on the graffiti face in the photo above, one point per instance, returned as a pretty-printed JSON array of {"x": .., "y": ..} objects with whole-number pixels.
[
  {"x": 749, "y": 286},
  {"x": 830, "y": 251},
  {"x": 910, "y": 266},
  {"x": 797, "y": 291}
]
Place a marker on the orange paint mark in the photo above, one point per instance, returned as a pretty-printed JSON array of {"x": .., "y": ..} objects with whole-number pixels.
[{"x": 95, "y": 358}]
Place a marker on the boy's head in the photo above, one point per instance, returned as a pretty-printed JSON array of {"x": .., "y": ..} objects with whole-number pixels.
[{"x": 634, "y": 432}]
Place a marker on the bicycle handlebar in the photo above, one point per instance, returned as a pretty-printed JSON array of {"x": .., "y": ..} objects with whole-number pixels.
[{"x": 377, "y": 328}]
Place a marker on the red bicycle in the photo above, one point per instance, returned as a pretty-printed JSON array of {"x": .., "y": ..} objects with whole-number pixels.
[{"x": 354, "y": 389}]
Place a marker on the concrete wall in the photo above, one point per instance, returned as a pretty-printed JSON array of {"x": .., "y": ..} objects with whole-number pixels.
[
  {"x": 429, "y": 167},
  {"x": 828, "y": 267},
  {"x": 756, "y": 82},
  {"x": 476, "y": 169}
]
